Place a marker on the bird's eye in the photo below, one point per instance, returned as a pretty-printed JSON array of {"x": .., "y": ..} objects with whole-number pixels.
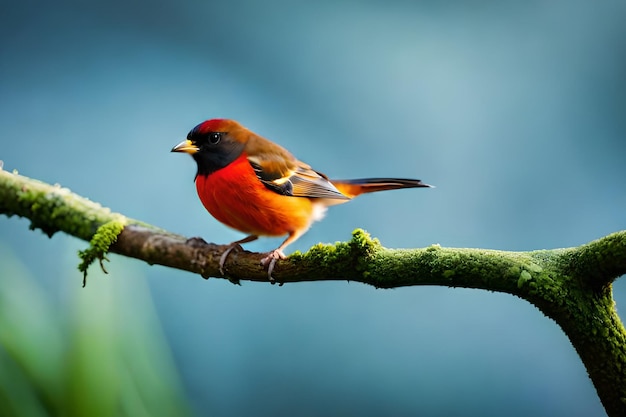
[{"x": 215, "y": 137}]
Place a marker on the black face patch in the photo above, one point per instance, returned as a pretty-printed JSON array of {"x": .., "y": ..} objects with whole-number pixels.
[{"x": 216, "y": 150}]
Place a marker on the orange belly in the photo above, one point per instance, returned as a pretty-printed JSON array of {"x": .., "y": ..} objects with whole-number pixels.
[{"x": 237, "y": 198}]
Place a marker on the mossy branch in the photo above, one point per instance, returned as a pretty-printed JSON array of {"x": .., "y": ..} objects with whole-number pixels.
[{"x": 571, "y": 286}]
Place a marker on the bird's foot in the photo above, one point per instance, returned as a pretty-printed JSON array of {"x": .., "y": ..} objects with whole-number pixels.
[
  {"x": 270, "y": 262},
  {"x": 229, "y": 249}
]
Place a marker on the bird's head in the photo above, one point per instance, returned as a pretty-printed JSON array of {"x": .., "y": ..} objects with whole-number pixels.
[{"x": 214, "y": 144}]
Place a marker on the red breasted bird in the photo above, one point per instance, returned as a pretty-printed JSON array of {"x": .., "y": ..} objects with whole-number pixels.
[{"x": 257, "y": 187}]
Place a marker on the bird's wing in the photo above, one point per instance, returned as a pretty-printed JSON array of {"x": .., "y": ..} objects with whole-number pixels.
[
  {"x": 307, "y": 182},
  {"x": 281, "y": 172}
]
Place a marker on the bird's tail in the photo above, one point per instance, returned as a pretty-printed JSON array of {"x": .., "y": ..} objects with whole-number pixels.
[{"x": 353, "y": 188}]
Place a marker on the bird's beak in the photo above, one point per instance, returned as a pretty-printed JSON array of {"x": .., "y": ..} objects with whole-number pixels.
[{"x": 186, "y": 146}]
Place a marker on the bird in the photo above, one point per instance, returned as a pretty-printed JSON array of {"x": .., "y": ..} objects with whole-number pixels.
[{"x": 257, "y": 187}]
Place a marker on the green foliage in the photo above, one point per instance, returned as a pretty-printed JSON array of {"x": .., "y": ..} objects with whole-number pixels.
[{"x": 99, "y": 354}]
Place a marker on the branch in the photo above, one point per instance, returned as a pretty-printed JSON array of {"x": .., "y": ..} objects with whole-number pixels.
[{"x": 571, "y": 286}]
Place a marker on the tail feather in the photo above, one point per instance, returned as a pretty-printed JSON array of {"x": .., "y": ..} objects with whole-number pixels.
[{"x": 353, "y": 188}]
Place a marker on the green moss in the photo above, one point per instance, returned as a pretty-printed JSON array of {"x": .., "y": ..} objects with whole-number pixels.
[
  {"x": 363, "y": 248},
  {"x": 99, "y": 245},
  {"x": 434, "y": 247},
  {"x": 353, "y": 256},
  {"x": 524, "y": 277},
  {"x": 448, "y": 273}
]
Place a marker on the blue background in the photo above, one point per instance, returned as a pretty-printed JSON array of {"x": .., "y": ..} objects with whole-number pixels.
[{"x": 514, "y": 110}]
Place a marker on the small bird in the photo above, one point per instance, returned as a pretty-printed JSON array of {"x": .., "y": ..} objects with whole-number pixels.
[{"x": 257, "y": 187}]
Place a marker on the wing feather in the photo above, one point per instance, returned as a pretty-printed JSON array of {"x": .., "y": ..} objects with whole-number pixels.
[{"x": 282, "y": 173}]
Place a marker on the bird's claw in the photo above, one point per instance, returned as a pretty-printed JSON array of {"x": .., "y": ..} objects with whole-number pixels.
[
  {"x": 225, "y": 255},
  {"x": 270, "y": 262}
]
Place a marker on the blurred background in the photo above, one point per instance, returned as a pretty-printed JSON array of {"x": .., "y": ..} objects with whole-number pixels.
[{"x": 514, "y": 110}]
